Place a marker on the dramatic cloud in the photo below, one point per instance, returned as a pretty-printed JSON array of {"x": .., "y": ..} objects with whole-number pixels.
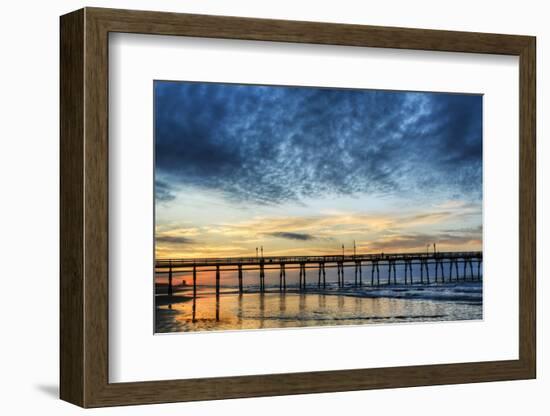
[
  {"x": 170, "y": 239},
  {"x": 469, "y": 230},
  {"x": 163, "y": 192},
  {"x": 421, "y": 241},
  {"x": 293, "y": 236},
  {"x": 271, "y": 145}
]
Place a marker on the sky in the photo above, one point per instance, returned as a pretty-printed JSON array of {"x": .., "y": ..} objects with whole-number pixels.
[{"x": 302, "y": 170}]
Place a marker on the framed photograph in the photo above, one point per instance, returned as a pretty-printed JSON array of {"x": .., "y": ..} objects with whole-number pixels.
[{"x": 255, "y": 207}]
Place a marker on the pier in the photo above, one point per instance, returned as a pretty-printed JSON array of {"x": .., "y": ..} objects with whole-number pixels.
[{"x": 446, "y": 265}]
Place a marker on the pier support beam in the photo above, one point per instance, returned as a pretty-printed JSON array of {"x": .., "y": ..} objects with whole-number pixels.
[
  {"x": 372, "y": 274},
  {"x": 427, "y": 271},
  {"x": 455, "y": 262},
  {"x": 217, "y": 293},
  {"x": 440, "y": 263},
  {"x": 170, "y": 283},
  {"x": 194, "y": 282},
  {"x": 340, "y": 270},
  {"x": 374, "y": 265},
  {"x": 262, "y": 276},
  {"x": 240, "y": 278},
  {"x": 217, "y": 281},
  {"x": 471, "y": 270},
  {"x": 479, "y": 270},
  {"x": 319, "y": 279},
  {"x": 408, "y": 265},
  {"x": 360, "y": 274},
  {"x": 324, "y": 276}
]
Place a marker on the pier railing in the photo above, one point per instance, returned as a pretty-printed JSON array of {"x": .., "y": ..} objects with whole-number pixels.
[{"x": 333, "y": 258}]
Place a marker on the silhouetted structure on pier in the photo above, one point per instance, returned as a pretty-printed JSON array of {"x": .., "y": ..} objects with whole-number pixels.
[{"x": 320, "y": 263}]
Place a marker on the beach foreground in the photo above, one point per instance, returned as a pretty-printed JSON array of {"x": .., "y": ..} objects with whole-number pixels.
[{"x": 330, "y": 307}]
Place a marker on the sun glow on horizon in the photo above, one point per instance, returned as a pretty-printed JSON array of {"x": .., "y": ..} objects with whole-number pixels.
[{"x": 452, "y": 227}]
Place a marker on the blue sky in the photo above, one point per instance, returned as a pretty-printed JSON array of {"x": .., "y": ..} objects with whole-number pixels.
[{"x": 305, "y": 170}]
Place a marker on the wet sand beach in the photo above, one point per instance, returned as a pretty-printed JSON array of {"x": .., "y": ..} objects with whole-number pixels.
[{"x": 333, "y": 306}]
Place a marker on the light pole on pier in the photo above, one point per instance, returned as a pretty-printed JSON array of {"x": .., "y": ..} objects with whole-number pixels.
[
  {"x": 342, "y": 250},
  {"x": 262, "y": 248},
  {"x": 354, "y": 249},
  {"x": 256, "y": 252}
]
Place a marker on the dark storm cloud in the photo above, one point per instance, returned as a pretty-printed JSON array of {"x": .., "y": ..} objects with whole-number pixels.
[
  {"x": 169, "y": 239},
  {"x": 410, "y": 241},
  {"x": 470, "y": 230},
  {"x": 293, "y": 236},
  {"x": 163, "y": 192},
  {"x": 276, "y": 144}
]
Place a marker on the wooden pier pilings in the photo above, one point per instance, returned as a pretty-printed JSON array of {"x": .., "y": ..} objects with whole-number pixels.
[
  {"x": 358, "y": 270},
  {"x": 194, "y": 282},
  {"x": 282, "y": 277},
  {"x": 302, "y": 276},
  {"x": 439, "y": 267},
  {"x": 375, "y": 265},
  {"x": 262, "y": 276},
  {"x": 240, "y": 266},
  {"x": 170, "y": 281}
]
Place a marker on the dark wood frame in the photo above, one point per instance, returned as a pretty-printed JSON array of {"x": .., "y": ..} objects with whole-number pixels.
[{"x": 84, "y": 207}]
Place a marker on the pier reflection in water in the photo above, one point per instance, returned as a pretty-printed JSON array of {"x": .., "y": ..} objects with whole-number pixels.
[{"x": 231, "y": 310}]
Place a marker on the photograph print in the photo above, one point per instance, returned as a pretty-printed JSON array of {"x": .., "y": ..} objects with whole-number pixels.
[{"x": 295, "y": 206}]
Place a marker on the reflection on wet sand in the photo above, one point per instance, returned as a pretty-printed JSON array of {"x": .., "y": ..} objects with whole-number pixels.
[
  {"x": 262, "y": 310},
  {"x": 282, "y": 303},
  {"x": 240, "y": 309},
  {"x": 231, "y": 311}
]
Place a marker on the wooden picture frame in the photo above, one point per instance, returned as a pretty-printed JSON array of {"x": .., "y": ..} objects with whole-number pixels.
[{"x": 84, "y": 207}]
